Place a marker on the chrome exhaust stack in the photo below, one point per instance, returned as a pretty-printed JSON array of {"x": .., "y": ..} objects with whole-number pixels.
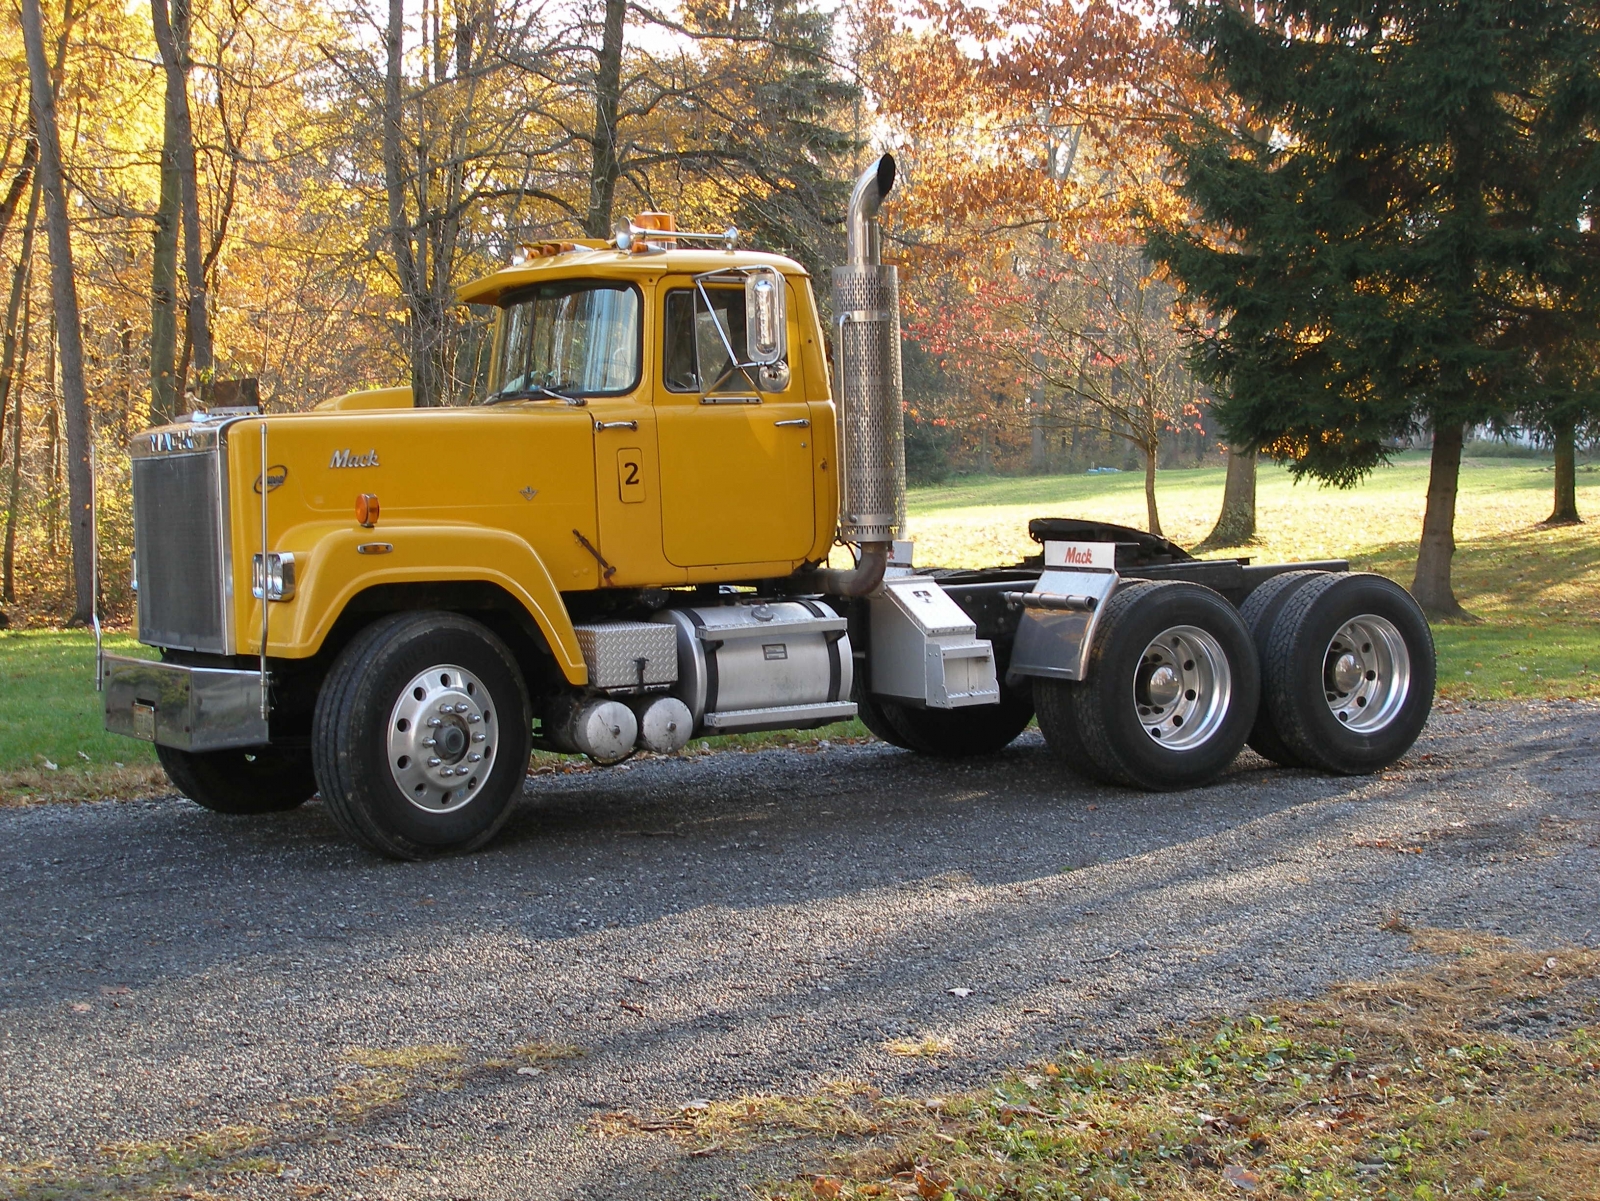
[{"x": 866, "y": 376}]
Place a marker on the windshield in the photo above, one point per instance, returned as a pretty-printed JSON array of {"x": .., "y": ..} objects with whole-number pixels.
[{"x": 569, "y": 337}]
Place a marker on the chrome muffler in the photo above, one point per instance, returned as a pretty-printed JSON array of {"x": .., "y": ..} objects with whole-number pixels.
[{"x": 867, "y": 384}]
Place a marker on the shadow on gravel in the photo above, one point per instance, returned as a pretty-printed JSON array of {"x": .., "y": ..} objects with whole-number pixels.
[
  {"x": 729, "y": 923},
  {"x": 149, "y": 891}
]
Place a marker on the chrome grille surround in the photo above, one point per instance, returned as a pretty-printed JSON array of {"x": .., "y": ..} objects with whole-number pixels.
[{"x": 181, "y": 538}]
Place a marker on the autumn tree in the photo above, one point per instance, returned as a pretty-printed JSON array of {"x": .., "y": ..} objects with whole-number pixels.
[
  {"x": 180, "y": 199},
  {"x": 447, "y": 112},
  {"x": 63, "y": 287},
  {"x": 1026, "y": 163},
  {"x": 1113, "y": 347}
]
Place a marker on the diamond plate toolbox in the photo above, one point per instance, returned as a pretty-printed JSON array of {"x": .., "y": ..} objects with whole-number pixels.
[{"x": 624, "y": 655}]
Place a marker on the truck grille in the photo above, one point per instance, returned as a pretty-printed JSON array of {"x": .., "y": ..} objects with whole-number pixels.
[{"x": 177, "y": 535}]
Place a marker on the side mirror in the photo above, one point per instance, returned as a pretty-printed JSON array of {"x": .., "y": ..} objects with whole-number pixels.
[{"x": 766, "y": 321}]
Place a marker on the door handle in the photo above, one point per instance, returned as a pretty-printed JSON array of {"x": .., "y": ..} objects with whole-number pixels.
[
  {"x": 615, "y": 425},
  {"x": 801, "y": 421}
]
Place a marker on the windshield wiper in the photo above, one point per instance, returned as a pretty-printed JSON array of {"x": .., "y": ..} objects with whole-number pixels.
[{"x": 532, "y": 390}]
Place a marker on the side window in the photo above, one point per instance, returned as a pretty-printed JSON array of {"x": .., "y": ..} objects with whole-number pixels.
[{"x": 695, "y": 358}]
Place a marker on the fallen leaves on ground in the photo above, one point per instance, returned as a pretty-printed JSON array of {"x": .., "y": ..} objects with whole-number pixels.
[{"x": 1422, "y": 1085}]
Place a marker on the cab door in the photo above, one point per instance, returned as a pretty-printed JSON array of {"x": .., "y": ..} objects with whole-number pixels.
[
  {"x": 735, "y": 463},
  {"x": 628, "y": 493}
]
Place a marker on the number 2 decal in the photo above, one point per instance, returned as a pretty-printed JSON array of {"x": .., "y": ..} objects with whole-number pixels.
[{"x": 630, "y": 475}]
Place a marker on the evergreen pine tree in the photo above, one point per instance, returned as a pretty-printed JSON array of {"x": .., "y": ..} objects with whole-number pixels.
[{"x": 1375, "y": 238}]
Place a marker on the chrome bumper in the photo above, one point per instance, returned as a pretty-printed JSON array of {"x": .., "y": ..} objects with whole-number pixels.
[{"x": 190, "y": 708}]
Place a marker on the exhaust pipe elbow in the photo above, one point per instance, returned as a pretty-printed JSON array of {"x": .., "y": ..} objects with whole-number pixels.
[
  {"x": 863, "y": 579},
  {"x": 861, "y": 225}
]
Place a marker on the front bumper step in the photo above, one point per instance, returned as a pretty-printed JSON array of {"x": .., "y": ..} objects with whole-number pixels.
[{"x": 189, "y": 708}]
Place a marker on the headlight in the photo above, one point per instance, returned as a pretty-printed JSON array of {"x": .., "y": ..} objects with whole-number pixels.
[{"x": 280, "y": 576}]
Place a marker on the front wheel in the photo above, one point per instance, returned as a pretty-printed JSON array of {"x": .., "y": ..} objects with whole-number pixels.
[
  {"x": 422, "y": 735},
  {"x": 243, "y": 781},
  {"x": 1170, "y": 693}
]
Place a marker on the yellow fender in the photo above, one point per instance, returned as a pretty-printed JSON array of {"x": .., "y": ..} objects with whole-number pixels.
[{"x": 336, "y": 568}]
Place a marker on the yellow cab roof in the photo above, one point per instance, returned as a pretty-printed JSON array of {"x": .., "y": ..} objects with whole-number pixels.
[{"x": 611, "y": 263}]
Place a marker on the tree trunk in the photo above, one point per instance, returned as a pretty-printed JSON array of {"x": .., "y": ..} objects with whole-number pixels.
[
  {"x": 175, "y": 57},
  {"x": 65, "y": 293},
  {"x": 164, "y": 255},
  {"x": 20, "y": 183},
  {"x": 8, "y": 563},
  {"x": 604, "y": 166},
  {"x": 394, "y": 181},
  {"x": 1152, "y": 517},
  {"x": 1566, "y": 506},
  {"x": 1236, "y": 526},
  {"x": 1038, "y": 440},
  {"x": 19, "y": 280},
  {"x": 1431, "y": 587}
]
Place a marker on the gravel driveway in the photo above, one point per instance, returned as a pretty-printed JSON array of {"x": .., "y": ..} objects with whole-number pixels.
[{"x": 719, "y": 925}]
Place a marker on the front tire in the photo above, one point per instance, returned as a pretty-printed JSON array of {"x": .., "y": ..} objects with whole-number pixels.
[
  {"x": 242, "y": 781},
  {"x": 1349, "y": 673},
  {"x": 422, "y": 735},
  {"x": 1169, "y": 696}
]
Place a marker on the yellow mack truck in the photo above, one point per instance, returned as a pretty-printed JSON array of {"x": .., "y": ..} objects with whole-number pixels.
[{"x": 623, "y": 545}]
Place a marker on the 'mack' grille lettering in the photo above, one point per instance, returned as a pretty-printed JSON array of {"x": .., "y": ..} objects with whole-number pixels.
[{"x": 345, "y": 458}]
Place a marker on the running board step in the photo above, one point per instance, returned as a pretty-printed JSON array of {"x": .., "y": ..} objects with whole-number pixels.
[{"x": 784, "y": 717}]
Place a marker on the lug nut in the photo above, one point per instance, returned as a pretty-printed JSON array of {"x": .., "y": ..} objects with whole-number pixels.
[
  {"x": 434, "y": 723},
  {"x": 474, "y": 758},
  {"x": 474, "y": 718},
  {"x": 463, "y": 707},
  {"x": 430, "y": 742},
  {"x": 446, "y": 707},
  {"x": 479, "y": 736},
  {"x": 435, "y": 761}
]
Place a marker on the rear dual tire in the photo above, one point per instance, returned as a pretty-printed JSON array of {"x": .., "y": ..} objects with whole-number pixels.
[
  {"x": 1348, "y": 672},
  {"x": 956, "y": 733},
  {"x": 1170, "y": 693}
]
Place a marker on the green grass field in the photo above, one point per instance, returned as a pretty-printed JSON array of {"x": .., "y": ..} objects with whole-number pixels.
[
  {"x": 1536, "y": 592},
  {"x": 49, "y": 711}
]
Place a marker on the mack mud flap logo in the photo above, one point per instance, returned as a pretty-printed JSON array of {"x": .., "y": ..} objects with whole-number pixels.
[
  {"x": 348, "y": 458},
  {"x": 276, "y": 474}
]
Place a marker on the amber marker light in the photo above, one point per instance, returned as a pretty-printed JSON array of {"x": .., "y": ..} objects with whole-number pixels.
[{"x": 366, "y": 510}]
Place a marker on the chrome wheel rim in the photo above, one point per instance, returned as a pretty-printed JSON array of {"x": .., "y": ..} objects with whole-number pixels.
[
  {"x": 1182, "y": 687},
  {"x": 441, "y": 738},
  {"x": 1366, "y": 673}
]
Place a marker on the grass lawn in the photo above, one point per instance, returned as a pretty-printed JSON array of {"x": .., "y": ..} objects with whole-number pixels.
[
  {"x": 49, "y": 710},
  {"x": 1536, "y": 592}
]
